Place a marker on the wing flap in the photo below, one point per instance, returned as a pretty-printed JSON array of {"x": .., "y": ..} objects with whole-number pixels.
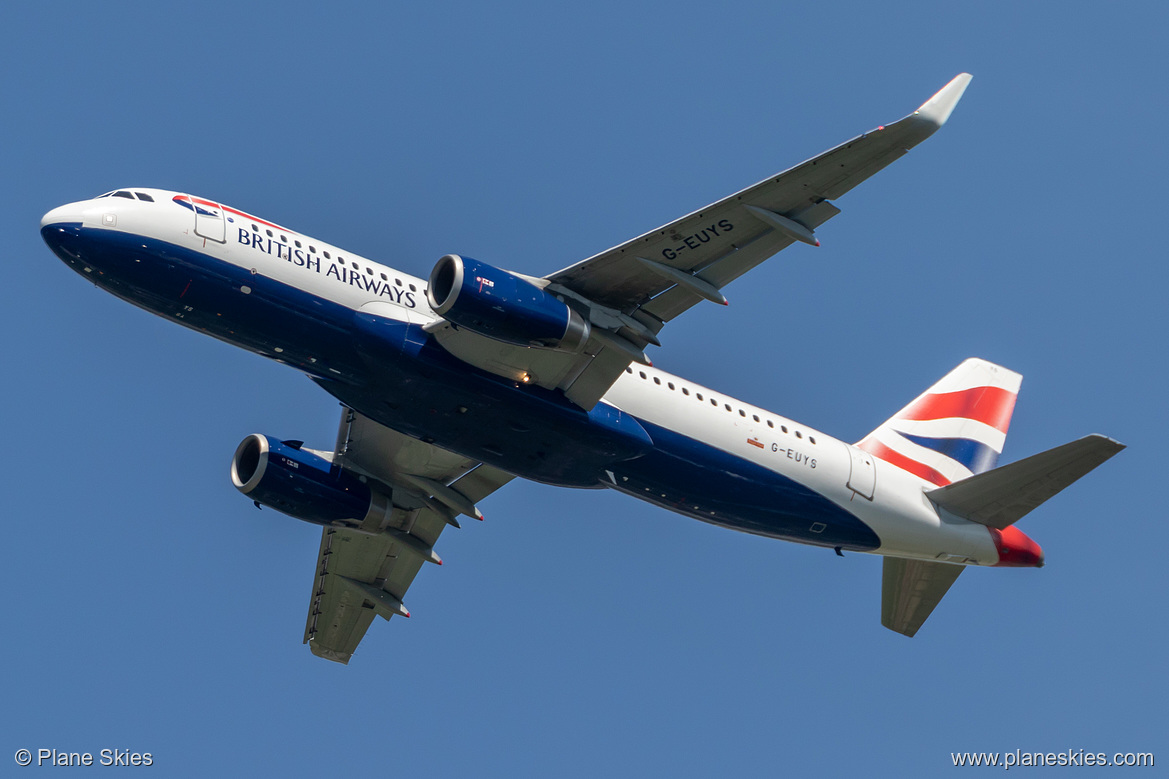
[
  {"x": 365, "y": 447},
  {"x": 911, "y": 589},
  {"x": 590, "y": 385},
  {"x": 481, "y": 481}
]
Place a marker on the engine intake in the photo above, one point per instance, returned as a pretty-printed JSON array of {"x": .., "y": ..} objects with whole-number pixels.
[
  {"x": 303, "y": 485},
  {"x": 503, "y": 306}
]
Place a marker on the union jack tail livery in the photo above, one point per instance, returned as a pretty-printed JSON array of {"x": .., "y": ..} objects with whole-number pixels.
[{"x": 953, "y": 430}]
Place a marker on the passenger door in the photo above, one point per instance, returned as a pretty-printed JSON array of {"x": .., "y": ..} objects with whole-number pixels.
[{"x": 209, "y": 221}]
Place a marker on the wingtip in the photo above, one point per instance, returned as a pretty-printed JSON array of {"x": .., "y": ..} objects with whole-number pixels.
[{"x": 939, "y": 107}]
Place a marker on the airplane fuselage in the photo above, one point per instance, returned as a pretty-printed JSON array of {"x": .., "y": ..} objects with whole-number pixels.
[{"x": 357, "y": 328}]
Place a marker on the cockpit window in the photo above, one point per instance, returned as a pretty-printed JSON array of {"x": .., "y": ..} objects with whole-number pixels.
[
  {"x": 105, "y": 195},
  {"x": 123, "y": 193},
  {"x": 144, "y": 196}
]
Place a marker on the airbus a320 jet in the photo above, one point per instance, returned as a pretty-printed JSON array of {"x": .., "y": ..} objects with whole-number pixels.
[{"x": 454, "y": 385}]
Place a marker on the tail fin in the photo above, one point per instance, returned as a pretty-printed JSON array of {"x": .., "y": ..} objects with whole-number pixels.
[{"x": 954, "y": 429}]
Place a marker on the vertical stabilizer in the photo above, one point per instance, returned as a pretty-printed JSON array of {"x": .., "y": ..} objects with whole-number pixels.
[{"x": 955, "y": 429}]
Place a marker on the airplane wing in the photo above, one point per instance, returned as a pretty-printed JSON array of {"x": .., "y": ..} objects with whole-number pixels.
[
  {"x": 630, "y": 291},
  {"x": 363, "y": 572}
]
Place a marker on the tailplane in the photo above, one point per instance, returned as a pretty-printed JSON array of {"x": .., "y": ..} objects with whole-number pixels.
[
  {"x": 954, "y": 429},
  {"x": 911, "y": 589},
  {"x": 1002, "y": 497}
]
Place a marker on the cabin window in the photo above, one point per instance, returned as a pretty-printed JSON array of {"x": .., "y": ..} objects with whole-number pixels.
[
  {"x": 384, "y": 277},
  {"x": 799, "y": 434},
  {"x": 399, "y": 283},
  {"x": 413, "y": 288},
  {"x": 698, "y": 395},
  {"x": 714, "y": 402},
  {"x": 670, "y": 384},
  {"x": 783, "y": 428},
  {"x": 627, "y": 368},
  {"x": 312, "y": 249},
  {"x": 642, "y": 374},
  {"x": 755, "y": 417},
  {"x": 727, "y": 406},
  {"x": 284, "y": 238},
  {"x": 685, "y": 391},
  {"x": 255, "y": 229},
  {"x": 770, "y": 423},
  {"x": 297, "y": 244},
  {"x": 742, "y": 413},
  {"x": 269, "y": 232},
  {"x": 812, "y": 439},
  {"x": 657, "y": 381},
  {"x": 327, "y": 257}
]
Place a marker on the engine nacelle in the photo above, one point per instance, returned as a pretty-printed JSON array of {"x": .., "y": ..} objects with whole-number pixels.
[
  {"x": 303, "y": 485},
  {"x": 499, "y": 305}
]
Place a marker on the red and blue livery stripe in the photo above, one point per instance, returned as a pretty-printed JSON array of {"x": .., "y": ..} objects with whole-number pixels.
[{"x": 955, "y": 429}]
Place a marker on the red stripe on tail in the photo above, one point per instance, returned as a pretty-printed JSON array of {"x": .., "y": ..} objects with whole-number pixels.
[
  {"x": 879, "y": 450},
  {"x": 989, "y": 405}
]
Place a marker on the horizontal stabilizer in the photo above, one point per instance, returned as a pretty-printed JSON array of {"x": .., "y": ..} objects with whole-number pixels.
[
  {"x": 1001, "y": 497},
  {"x": 911, "y": 589}
]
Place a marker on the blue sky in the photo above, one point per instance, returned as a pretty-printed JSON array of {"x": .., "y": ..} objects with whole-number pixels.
[{"x": 151, "y": 608}]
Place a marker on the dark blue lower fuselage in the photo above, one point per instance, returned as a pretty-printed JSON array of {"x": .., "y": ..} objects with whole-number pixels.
[{"x": 398, "y": 375}]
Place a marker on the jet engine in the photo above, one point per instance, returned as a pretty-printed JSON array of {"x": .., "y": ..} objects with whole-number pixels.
[
  {"x": 503, "y": 306},
  {"x": 301, "y": 484}
]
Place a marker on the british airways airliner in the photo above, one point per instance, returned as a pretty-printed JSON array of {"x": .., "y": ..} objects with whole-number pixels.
[{"x": 456, "y": 384}]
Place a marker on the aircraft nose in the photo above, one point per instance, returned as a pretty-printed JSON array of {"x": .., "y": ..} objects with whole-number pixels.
[
  {"x": 1016, "y": 549},
  {"x": 70, "y": 212},
  {"x": 61, "y": 231}
]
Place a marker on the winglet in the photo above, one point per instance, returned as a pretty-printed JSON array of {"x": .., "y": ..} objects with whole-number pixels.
[{"x": 937, "y": 109}]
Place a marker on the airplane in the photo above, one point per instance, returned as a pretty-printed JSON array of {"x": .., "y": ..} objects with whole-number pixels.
[{"x": 454, "y": 385}]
